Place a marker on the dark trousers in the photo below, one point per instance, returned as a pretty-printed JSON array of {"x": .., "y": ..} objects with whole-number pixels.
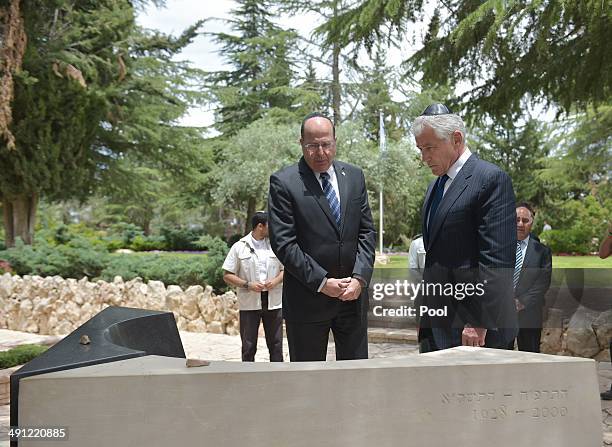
[
  {"x": 308, "y": 341},
  {"x": 528, "y": 340},
  {"x": 426, "y": 340},
  {"x": 273, "y": 328}
]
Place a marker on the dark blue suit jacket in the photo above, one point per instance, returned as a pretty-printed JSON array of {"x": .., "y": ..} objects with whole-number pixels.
[
  {"x": 472, "y": 240},
  {"x": 534, "y": 281}
]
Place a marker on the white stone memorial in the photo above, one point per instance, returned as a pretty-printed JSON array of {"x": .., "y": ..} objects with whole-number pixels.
[{"x": 458, "y": 397}]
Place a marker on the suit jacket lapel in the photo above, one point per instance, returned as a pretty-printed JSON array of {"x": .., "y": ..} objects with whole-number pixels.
[
  {"x": 424, "y": 210},
  {"x": 455, "y": 190},
  {"x": 313, "y": 185},
  {"x": 343, "y": 187}
]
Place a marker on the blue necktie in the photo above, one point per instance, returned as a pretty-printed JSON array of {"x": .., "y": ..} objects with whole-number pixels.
[
  {"x": 518, "y": 264},
  {"x": 332, "y": 199},
  {"x": 438, "y": 193}
]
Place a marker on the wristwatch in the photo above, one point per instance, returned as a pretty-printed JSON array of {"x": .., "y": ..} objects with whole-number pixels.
[{"x": 246, "y": 285}]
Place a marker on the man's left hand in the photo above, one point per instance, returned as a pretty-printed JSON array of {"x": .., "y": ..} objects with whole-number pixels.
[
  {"x": 352, "y": 291},
  {"x": 519, "y": 306}
]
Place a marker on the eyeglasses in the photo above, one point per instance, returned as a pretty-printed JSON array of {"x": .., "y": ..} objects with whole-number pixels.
[{"x": 313, "y": 147}]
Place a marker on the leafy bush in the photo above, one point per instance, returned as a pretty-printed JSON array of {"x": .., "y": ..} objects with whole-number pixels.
[
  {"x": 79, "y": 257},
  {"x": 20, "y": 355},
  {"x": 577, "y": 240},
  {"x": 75, "y": 259},
  {"x": 148, "y": 243},
  {"x": 181, "y": 238},
  {"x": 181, "y": 270}
]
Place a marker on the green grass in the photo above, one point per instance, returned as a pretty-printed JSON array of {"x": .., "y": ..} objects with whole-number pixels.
[
  {"x": 401, "y": 261},
  {"x": 565, "y": 262},
  {"x": 20, "y": 355},
  {"x": 581, "y": 262}
]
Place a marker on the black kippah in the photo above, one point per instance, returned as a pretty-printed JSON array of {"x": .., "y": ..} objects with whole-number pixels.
[{"x": 436, "y": 109}]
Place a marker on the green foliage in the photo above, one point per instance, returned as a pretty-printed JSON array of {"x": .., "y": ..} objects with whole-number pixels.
[
  {"x": 93, "y": 89},
  {"x": 182, "y": 270},
  {"x": 179, "y": 238},
  {"x": 251, "y": 156},
  {"x": 260, "y": 79},
  {"x": 578, "y": 225},
  {"x": 403, "y": 177},
  {"x": 519, "y": 149},
  {"x": 148, "y": 243},
  {"x": 496, "y": 46},
  {"x": 75, "y": 259},
  {"x": 20, "y": 355},
  {"x": 575, "y": 240}
]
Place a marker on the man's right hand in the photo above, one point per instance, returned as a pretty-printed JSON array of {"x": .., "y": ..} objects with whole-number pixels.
[{"x": 335, "y": 287}]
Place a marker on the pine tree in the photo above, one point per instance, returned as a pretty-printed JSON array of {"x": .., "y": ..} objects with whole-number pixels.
[
  {"x": 260, "y": 79},
  {"x": 92, "y": 87}
]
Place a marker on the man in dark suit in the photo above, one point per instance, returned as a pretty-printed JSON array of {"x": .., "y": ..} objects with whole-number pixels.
[
  {"x": 321, "y": 230},
  {"x": 532, "y": 274},
  {"x": 470, "y": 237}
]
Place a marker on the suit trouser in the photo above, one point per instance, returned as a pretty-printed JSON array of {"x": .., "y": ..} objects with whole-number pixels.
[
  {"x": 273, "y": 328},
  {"x": 308, "y": 341},
  {"x": 528, "y": 340}
]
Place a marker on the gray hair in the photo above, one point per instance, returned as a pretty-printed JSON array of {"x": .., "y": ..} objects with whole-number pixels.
[{"x": 442, "y": 125}]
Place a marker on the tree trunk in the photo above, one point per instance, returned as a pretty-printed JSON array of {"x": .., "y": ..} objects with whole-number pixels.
[
  {"x": 19, "y": 218},
  {"x": 250, "y": 212}
]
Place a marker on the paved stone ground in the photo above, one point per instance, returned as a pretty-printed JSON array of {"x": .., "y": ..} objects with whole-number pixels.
[{"x": 225, "y": 347}]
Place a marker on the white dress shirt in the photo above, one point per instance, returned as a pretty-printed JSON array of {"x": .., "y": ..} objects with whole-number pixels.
[{"x": 455, "y": 168}]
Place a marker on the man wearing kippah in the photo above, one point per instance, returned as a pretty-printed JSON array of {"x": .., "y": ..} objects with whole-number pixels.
[{"x": 469, "y": 231}]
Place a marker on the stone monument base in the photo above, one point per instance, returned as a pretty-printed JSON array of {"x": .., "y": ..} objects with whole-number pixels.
[{"x": 458, "y": 397}]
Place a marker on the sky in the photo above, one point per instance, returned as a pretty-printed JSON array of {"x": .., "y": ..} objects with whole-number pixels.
[{"x": 177, "y": 15}]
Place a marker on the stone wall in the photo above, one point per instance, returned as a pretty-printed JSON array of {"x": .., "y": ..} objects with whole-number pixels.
[
  {"x": 586, "y": 333},
  {"x": 56, "y": 306}
]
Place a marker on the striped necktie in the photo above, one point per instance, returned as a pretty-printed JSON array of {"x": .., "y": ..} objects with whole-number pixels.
[
  {"x": 332, "y": 199},
  {"x": 518, "y": 264}
]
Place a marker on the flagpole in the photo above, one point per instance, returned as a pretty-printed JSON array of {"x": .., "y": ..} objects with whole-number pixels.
[
  {"x": 382, "y": 141},
  {"x": 380, "y": 200}
]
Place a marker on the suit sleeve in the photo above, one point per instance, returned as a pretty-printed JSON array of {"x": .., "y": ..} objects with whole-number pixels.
[
  {"x": 496, "y": 248},
  {"x": 283, "y": 238},
  {"x": 537, "y": 291},
  {"x": 364, "y": 261}
]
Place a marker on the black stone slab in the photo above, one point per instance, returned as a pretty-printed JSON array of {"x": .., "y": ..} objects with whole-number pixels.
[{"x": 116, "y": 333}]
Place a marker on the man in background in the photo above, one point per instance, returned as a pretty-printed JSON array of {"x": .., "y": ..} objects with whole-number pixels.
[
  {"x": 253, "y": 268},
  {"x": 531, "y": 280}
]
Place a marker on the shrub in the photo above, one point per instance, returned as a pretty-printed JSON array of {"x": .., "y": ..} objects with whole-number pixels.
[
  {"x": 148, "y": 243},
  {"x": 183, "y": 270},
  {"x": 20, "y": 355},
  {"x": 181, "y": 238},
  {"x": 578, "y": 240},
  {"x": 76, "y": 259}
]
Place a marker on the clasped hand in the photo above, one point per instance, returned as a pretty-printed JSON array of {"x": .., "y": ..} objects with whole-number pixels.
[{"x": 345, "y": 289}]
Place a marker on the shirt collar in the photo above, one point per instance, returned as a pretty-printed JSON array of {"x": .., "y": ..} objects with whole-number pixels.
[
  {"x": 456, "y": 167},
  {"x": 524, "y": 242},
  {"x": 330, "y": 171}
]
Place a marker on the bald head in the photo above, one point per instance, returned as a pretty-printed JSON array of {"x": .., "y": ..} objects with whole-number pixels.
[{"x": 318, "y": 143}]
